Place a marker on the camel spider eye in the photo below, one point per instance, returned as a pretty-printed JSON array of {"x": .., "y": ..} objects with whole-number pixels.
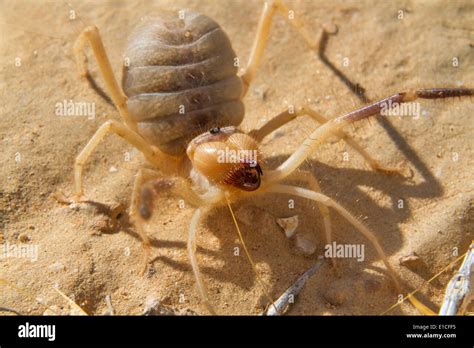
[{"x": 214, "y": 130}]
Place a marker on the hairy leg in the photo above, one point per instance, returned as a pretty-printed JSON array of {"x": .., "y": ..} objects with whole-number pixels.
[
  {"x": 320, "y": 135},
  {"x": 192, "y": 256},
  {"x": 269, "y": 9},
  {"x": 329, "y": 202},
  {"x": 91, "y": 35},
  {"x": 157, "y": 158},
  {"x": 287, "y": 116},
  {"x": 313, "y": 184},
  {"x": 140, "y": 208}
]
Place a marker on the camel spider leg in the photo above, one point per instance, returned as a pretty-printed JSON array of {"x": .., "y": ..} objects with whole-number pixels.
[
  {"x": 261, "y": 37},
  {"x": 318, "y": 136},
  {"x": 139, "y": 207},
  {"x": 130, "y": 136},
  {"x": 91, "y": 34},
  {"x": 314, "y": 185},
  {"x": 286, "y": 116},
  {"x": 192, "y": 257},
  {"x": 329, "y": 202}
]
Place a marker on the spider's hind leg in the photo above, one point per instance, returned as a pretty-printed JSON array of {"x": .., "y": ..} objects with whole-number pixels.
[
  {"x": 141, "y": 208},
  {"x": 148, "y": 184}
]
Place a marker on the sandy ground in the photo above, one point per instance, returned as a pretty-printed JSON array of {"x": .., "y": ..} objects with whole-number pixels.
[{"x": 87, "y": 260}]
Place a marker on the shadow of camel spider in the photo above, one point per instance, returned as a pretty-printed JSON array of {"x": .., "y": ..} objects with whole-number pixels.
[{"x": 181, "y": 103}]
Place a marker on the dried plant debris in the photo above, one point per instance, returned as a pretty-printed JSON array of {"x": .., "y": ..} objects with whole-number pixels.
[
  {"x": 460, "y": 287},
  {"x": 110, "y": 309},
  {"x": 280, "y": 306}
]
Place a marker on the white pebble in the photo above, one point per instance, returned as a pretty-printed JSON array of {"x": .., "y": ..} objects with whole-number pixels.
[
  {"x": 56, "y": 267},
  {"x": 289, "y": 225},
  {"x": 306, "y": 246}
]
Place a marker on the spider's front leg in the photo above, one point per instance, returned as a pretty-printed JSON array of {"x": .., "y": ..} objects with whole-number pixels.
[
  {"x": 335, "y": 125},
  {"x": 126, "y": 133},
  {"x": 314, "y": 185},
  {"x": 286, "y": 116},
  {"x": 91, "y": 35},
  {"x": 269, "y": 9}
]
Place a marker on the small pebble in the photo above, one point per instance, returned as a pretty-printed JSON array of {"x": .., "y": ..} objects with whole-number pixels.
[
  {"x": 101, "y": 224},
  {"x": 187, "y": 311},
  {"x": 411, "y": 261},
  {"x": 56, "y": 267},
  {"x": 24, "y": 238},
  {"x": 113, "y": 169},
  {"x": 305, "y": 245},
  {"x": 153, "y": 306},
  {"x": 288, "y": 225}
]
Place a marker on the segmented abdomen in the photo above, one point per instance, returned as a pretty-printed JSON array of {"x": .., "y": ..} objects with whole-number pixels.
[{"x": 181, "y": 80}]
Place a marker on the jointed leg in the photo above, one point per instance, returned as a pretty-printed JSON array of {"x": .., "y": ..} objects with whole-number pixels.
[
  {"x": 91, "y": 35},
  {"x": 313, "y": 184},
  {"x": 320, "y": 135},
  {"x": 287, "y": 116},
  {"x": 140, "y": 207},
  {"x": 123, "y": 131},
  {"x": 327, "y": 201},
  {"x": 145, "y": 188},
  {"x": 269, "y": 9},
  {"x": 192, "y": 256}
]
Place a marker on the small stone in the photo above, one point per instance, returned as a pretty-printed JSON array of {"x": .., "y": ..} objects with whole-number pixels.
[
  {"x": 261, "y": 92},
  {"x": 23, "y": 237},
  {"x": 278, "y": 134},
  {"x": 411, "y": 261},
  {"x": 153, "y": 306},
  {"x": 288, "y": 225},
  {"x": 56, "y": 267},
  {"x": 100, "y": 224},
  {"x": 113, "y": 169},
  {"x": 186, "y": 311},
  {"x": 305, "y": 245}
]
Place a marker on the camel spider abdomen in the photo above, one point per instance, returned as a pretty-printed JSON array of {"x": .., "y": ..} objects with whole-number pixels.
[{"x": 181, "y": 78}]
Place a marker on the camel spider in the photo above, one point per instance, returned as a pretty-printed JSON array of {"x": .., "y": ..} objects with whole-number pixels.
[{"x": 185, "y": 64}]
